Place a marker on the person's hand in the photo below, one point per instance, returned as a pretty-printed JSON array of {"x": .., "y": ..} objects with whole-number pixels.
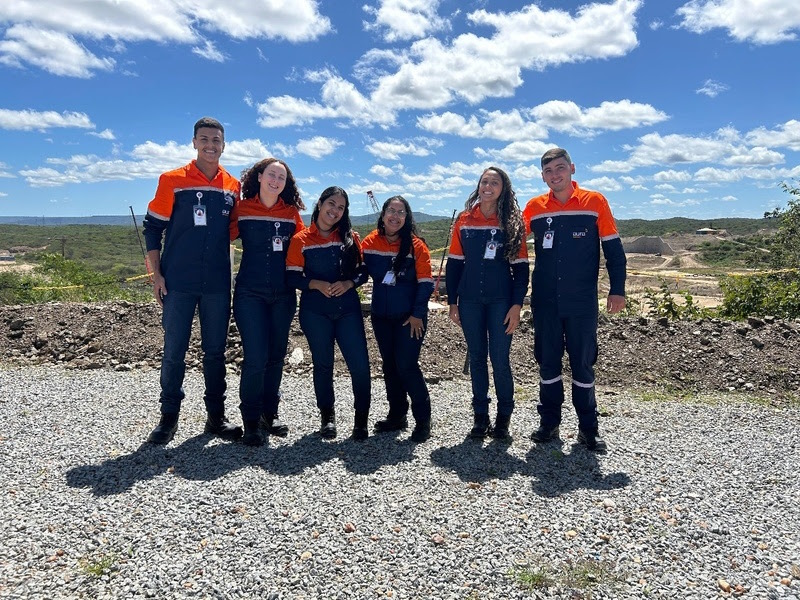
[
  {"x": 323, "y": 287},
  {"x": 454, "y": 316},
  {"x": 337, "y": 288},
  {"x": 417, "y": 327},
  {"x": 512, "y": 318},
  {"x": 159, "y": 288},
  {"x": 614, "y": 304}
]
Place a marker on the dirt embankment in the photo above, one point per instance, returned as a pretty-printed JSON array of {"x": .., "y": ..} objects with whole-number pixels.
[{"x": 761, "y": 356}]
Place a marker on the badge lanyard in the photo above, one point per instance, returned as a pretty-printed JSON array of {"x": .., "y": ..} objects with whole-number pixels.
[
  {"x": 277, "y": 240},
  {"x": 491, "y": 247},
  {"x": 199, "y": 212},
  {"x": 547, "y": 242}
]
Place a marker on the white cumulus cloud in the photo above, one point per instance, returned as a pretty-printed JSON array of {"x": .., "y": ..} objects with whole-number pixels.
[
  {"x": 431, "y": 73},
  {"x": 318, "y": 146},
  {"x": 761, "y": 22},
  {"x": 30, "y": 120},
  {"x": 53, "y": 35},
  {"x": 404, "y": 19}
]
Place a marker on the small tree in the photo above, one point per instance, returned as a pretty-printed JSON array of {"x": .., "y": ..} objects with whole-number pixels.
[
  {"x": 785, "y": 251},
  {"x": 775, "y": 293}
]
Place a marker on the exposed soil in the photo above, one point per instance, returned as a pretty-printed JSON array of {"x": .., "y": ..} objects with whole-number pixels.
[{"x": 761, "y": 356}]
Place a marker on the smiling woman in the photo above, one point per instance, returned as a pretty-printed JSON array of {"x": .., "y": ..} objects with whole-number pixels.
[
  {"x": 400, "y": 266},
  {"x": 487, "y": 278},
  {"x": 325, "y": 263},
  {"x": 264, "y": 304}
]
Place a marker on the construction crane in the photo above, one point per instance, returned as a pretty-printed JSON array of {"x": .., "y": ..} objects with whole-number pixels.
[{"x": 372, "y": 202}]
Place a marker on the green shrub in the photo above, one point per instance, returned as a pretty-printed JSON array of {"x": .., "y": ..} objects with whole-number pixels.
[
  {"x": 662, "y": 303},
  {"x": 56, "y": 278},
  {"x": 776, "y": 294}
]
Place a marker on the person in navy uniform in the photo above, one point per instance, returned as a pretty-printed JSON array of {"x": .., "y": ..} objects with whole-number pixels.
[
  {"x": 326, "y": 264},
  {"x": 570, "y": 225},
  {"x": 487, "y": 279},
  {"x": 400, "y": 266},
  {"x": 263, "y": 302},
  {"x": 191, "y": 214}
]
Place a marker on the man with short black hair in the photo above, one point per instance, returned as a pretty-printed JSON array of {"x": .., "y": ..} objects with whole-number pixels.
[
  {"x": 570, "y": 225},
  {"x": 191, "y": 212}
]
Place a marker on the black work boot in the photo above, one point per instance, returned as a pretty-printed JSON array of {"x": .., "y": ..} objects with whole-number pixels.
[
  {"x": 360, "y": 431},
  {"x": 274, "y": 426},
  {"x": 422, "y": 431},
  {"x": 165, "y": 430},
  {"x": 252, "y": 434},
  {"x": 545, "y": 434},
  {"x": 327, "y": 427},
  {"x": 482, "y": 427},
  {"x": 592, "y": 441},
  {"x": 391, "y": 423},
  {"x": 218, "y": 425},
  {"x": 500, "y": 431}
]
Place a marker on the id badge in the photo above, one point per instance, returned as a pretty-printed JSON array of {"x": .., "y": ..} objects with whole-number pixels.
[
  {"x": 389, "y": 278},
  {"x": 277, "y": 244},
  {"x": 199, "y": 215},
  {"x": 491, "y": 250},
  {"x": 547, "y": 242}
]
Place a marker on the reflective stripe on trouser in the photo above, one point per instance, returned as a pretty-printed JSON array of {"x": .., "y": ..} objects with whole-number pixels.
[{"x": 552, "y": 334}]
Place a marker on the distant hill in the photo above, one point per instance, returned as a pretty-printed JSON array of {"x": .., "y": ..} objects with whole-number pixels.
[
  {"x": 661, "y": 227},
  {"x": 56, "y": 221},
  {"x": 627, "y": 227}
]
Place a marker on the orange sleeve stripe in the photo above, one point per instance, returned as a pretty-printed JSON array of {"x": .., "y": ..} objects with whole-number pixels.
[
  {"x": 423, "y": 260},
  {"x": 456, "y": 251}
]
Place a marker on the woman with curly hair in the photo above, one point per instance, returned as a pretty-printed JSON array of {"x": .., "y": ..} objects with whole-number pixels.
[
  {"x": 263, "y": 303},
  {"x": 400, "y": 266},
  {"x": 487, "y": 279},
  {"x": 325, "y": 263}
]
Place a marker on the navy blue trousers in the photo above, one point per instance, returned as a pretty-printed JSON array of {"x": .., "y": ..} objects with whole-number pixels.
[
  {"x": 264, "y": 319},
  {"x": 578, "y": 335},
  {"x": 401, "y": 372}
]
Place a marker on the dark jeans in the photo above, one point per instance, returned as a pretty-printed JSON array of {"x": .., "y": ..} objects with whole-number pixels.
[
  {"x": 179, "y": 310},
  {"x": 485, "y": 333},
  {"x": 347, "y": 330},
  {"x": 263, "y": 320},
  {"x": 552, "y": 334},
  {"x": 401, "y": 372}
]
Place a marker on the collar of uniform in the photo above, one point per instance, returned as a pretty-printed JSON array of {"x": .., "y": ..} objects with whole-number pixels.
[
  {"x": 476, "y": 214},
  {"x": 278, "y": 205},
  {"x": 575, "y": 188},
  {"x": 198, "y": 173},
  {"x": 314, "y": 230}
]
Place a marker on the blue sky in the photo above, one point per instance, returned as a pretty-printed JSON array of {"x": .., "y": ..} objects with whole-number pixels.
[{"x": 670, "y": 108}]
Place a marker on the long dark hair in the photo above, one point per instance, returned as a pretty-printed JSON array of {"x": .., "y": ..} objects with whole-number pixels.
[
  {"x": 250, "y": 185},
  {"x": 508, "y": 213},
  {"x": 406, "y": 232},
  {"x": 351, "y": 257}
]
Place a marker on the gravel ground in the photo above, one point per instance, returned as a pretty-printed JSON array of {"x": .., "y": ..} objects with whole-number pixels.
[{"x": 695, "y": 499}]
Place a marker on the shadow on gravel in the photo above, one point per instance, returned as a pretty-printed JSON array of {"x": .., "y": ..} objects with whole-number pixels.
[
  {"x": 118, "y": 475},
  {"x": 195, "y": 460},
  {"x": 558, "y": 473},
  {"x": 553, "y": 472},
  {"x": 364, "y": 458},
  {"x": 472, "y": 461},
  {"x": 192, "y": 459}
]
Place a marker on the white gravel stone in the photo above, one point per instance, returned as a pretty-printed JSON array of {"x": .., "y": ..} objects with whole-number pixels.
[{"x": 689, "y": 493}]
